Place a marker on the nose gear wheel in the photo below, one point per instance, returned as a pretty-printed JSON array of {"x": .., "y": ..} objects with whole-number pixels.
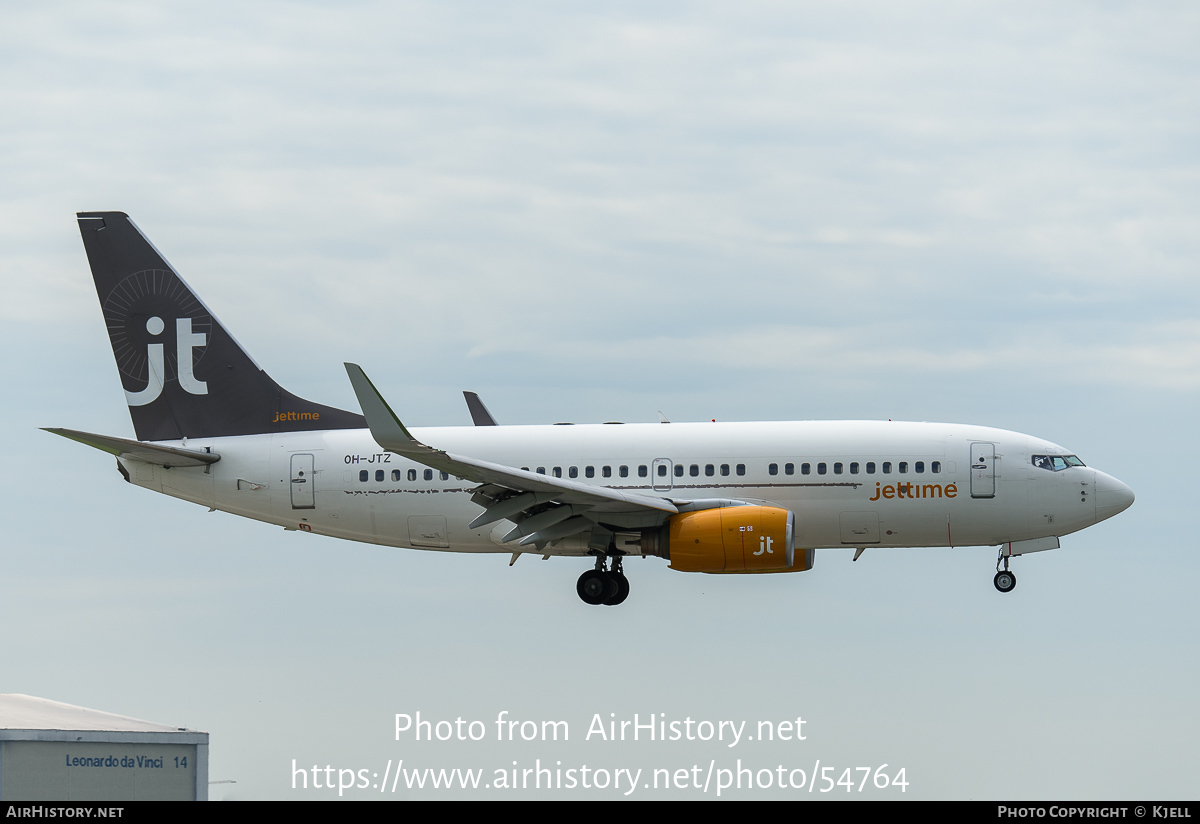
[{"x": 1004, "y": 581}]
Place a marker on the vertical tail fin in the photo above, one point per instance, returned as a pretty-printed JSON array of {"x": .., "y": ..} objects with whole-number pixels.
[{"x": 184, "y": 375}]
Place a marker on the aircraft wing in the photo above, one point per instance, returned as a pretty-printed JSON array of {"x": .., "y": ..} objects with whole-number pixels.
[
  {"x": 544, "y": 508},
  {"x": 479, "y": 413}
]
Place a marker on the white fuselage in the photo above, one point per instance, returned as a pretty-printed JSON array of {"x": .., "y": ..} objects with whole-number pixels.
[{"x": 849, "y": 483}]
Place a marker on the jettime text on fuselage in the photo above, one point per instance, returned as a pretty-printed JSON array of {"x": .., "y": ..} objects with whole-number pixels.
[{"x": 911, "y": 490}]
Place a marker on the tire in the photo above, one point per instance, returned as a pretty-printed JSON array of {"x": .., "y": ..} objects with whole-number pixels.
[
  {"x": 594, "y": 587},
  {"x": 1005, "y": 581},
  {"x": 622, "y": 586}
]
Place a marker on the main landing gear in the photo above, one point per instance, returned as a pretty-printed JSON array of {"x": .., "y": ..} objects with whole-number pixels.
[
  {"x": 603, "y": 586},
  {"x": 1005, "y": 581}
]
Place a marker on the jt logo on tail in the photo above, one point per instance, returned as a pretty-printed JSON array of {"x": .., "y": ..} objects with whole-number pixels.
[
  {"x": 202, "y": 384},
  {"x": 185, "y": 341}
]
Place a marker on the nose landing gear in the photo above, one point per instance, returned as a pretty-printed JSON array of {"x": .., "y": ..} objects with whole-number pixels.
[
  {"x": 602, "y": 586},
  {"x": 1005, "y": 581}
]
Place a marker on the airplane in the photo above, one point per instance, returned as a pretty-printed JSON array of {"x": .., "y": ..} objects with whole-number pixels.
[{"x": 724, "y": 498}]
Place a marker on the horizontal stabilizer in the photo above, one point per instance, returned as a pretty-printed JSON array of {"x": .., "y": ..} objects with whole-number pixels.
[{"x": 167, "y": 456}]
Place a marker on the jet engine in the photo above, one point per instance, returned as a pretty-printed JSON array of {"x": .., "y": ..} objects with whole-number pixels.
[{"x": 730, "y": 539}]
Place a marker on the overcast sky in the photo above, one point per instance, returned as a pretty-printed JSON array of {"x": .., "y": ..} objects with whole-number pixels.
[{"x": 769, "y": 211}]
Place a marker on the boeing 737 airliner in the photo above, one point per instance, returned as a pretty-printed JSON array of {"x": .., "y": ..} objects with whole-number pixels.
[{"x": 214, "y": 429}]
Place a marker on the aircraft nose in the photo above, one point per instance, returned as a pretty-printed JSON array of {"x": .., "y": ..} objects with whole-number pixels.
[{"x": 1112, "y": 496}]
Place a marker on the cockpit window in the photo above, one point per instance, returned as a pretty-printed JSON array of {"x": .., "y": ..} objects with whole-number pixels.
[{"x": 1056, "y": 463}]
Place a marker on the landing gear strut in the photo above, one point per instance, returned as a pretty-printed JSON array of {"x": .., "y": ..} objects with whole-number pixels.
[
  {"x": 602, "y": 586},
  {"x": 618, "y": 575},
  {"x": 1005, "y": 581}
]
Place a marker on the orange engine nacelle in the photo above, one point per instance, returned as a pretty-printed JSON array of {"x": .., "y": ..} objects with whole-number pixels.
[{"x": 731, "y": 539}]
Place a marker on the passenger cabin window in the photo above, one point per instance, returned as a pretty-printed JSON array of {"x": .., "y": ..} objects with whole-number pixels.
[
  {"x": 935, "y": 467},
  {"x": 678, "y": 470},
  {"x": 364, "y": 475},
  {"x": 709, "y": 470},
  {"x": 887, "y": 467},
  {"x": 870, "y": 467},
  {"x": 589, "y": 472},
  {"x": 920, "y": 467},
  {"x": 805, "y": 469},
  {"x": 903, "y": 467},
  {"x": 379, "y": 474},
  {"x": 558, "y": 471},
  {"x": 694, "y": 470},
  {"x": 624, "y": 472},
  {"x": 853, "y": 468},
  {"x": 445, "y": 477},
  {"x": 789, "y": 469},
  {"x": 837, "y": 469},
  {"x": 643, "y": 471},
  {"x": 773, "y": 469},
  {"x": 412, "y": 474},
  {"x": 724, "y": 469},
  {"x": 429, "y": 474},
  {"x": 395, "y": 474},
  {"x": 573, "y": 472},
  {"x": 741, "y": 469},
  {"x": 606, "y": 471},
  {"x": 541, "y": 470}
]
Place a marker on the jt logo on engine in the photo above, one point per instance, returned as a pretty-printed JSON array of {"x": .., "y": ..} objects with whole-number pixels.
[{"x": 185, "y": 341}]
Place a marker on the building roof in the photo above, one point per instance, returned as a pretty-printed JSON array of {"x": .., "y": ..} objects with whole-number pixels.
[{"x": 25, "y": 712}]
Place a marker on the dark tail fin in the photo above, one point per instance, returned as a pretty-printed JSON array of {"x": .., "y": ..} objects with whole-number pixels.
[{"x": 184, "y": 375}]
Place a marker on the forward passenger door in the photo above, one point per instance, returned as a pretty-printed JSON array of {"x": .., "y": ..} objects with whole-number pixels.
[{"x": 983, "y": 470}]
